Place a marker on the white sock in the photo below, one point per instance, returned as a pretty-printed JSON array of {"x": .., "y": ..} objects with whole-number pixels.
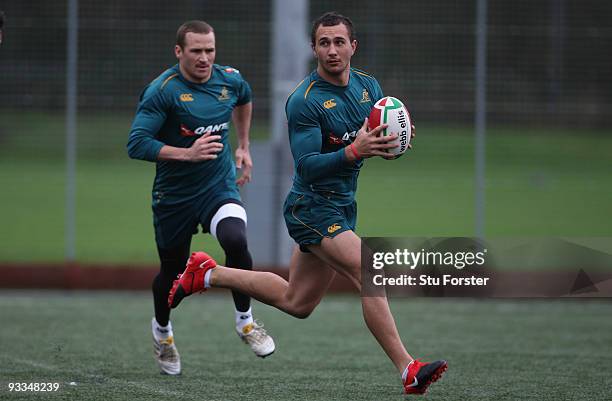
[
  {"x": 405, "y": 374},
  {"x": 207, "y": 279},
  {"x": 161, "y": 332},
  {"x": 243, "y": 318}
]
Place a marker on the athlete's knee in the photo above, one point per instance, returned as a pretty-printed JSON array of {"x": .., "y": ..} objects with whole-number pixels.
[
  {"x": 231, "y": 234},
  {"x": 172, "y": 261},
  {"x": 300, "y": 311},
  {"x": 233, "y": 243}
]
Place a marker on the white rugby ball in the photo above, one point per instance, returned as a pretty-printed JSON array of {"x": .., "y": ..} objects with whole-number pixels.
[{"x": 391, "y": 111}]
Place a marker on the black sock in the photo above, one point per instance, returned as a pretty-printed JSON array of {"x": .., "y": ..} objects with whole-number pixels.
[
  {"x": 231, "y": 234},
  {"x": 173, "y": 263}
]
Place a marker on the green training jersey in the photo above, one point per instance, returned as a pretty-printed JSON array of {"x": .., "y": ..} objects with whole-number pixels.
[
  {"x": 323, "y": 119},
  {"x": 174, "y": 111}
]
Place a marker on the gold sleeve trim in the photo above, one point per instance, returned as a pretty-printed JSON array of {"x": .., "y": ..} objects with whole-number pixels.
[
  {"x": 309, "y": 88},
  {"x": 167, "y": 80}
]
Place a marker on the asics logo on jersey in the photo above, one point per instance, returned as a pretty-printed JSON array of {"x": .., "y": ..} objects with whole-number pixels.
[
  {"x": 333, "y": 228},
  {"x": 203, "y": 130},
  {"x": 186, "y": 97},
  {"x": 328, "y": 104}
]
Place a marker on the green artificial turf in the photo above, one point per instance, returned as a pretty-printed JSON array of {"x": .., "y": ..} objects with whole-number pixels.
[{"x": 496, "y": 349}]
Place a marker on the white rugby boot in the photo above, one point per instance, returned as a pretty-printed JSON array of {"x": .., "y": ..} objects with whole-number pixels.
[
  {"x": 166, "y": 354},
  {"x": 258, "y": 339}
]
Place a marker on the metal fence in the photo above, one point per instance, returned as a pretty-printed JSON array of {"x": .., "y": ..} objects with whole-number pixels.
[{"x": 548, "y": 63}]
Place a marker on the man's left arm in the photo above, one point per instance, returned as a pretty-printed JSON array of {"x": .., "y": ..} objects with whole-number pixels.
[{"x": 241, "y": 117}]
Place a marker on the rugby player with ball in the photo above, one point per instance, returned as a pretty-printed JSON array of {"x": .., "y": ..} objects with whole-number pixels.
[{"x": 329, "y": 138}]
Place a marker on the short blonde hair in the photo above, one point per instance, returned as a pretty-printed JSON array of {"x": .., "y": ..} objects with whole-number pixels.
[{"x": 194, "y": 26}]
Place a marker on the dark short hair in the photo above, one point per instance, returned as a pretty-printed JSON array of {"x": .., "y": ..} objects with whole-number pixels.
[
  {"x": 332, "y": 18},
  {"x": 1, "y": 19},
  {"x": 194, "y": 26}
]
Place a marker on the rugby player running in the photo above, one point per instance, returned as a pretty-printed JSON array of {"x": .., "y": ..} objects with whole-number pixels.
[
  {"x": 182, "y": 124},
  {"x": 329, "y": 139}
]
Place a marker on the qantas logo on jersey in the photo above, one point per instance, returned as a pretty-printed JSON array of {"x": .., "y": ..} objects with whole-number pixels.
[
  {"x": 203, "y": 130},
  {"x": 334, "y": 140},
  {"x": 349, "y": 136}
]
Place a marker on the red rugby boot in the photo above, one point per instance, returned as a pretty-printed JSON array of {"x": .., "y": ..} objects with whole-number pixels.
[
  {"x": 192, "y": 279},
  {"x": 422, "y": 374}
]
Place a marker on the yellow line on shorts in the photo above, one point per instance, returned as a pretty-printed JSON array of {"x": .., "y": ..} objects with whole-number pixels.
[{"x": 304, "y": 224}]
